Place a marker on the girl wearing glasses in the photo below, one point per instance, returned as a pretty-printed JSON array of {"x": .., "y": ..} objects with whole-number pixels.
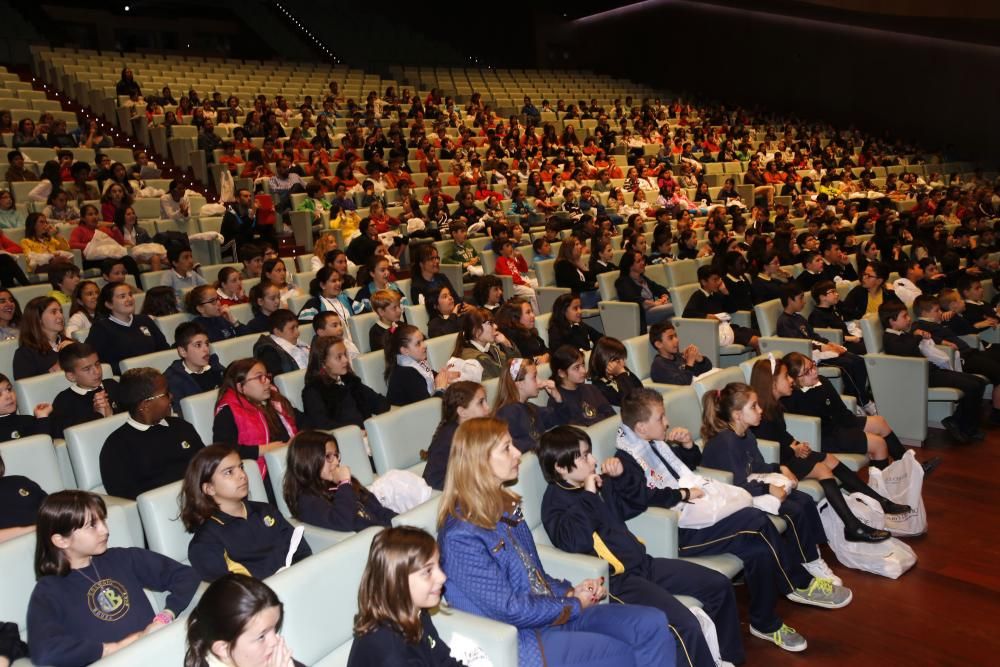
[
  {"x": 213, "y": 314},
  {"x": 252, "y": 413},
  {"x": 321, "y": 491}
]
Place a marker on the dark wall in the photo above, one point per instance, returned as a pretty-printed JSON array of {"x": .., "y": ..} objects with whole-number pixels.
[{"x": 941, "y": 93}]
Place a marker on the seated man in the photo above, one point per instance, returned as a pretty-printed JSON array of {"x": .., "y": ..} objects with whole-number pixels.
[
  {"x": 151, "y": 448},
  {"x": 671, "y": 366},
  {"x": 791, "y": 324},
  {"x": 710, "y": 300}
]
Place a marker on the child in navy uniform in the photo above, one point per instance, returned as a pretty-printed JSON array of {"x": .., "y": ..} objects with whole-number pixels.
[
  {"x": 89, "y": 395},
  {"x": 198, "y": 369},
  {"x": 671, "y": 365},
  {"x": 581, "y": 514},
  {"x": 89, "y": 601},
  {"x": 231, "y": 533},
  {"x": 20, "y": 499},
  {"x": 13, "y": 425},
  {"x": 580, "y": 403},
  {"x": 462, "y": 401},
  {"x": 609, "y": 373},
  {"x": 526, "y": 421}
]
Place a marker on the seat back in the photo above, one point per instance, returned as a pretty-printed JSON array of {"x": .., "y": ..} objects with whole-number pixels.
[
  {"x": 640, "y": 355},
  {"x": 545, "y": 270},
  {"x": 160, "y": 512},
  {"x": 44, "y": 388},
  {"x": 417, "y": 316},
  {"x": 199, "y": 411},
  {"x": 314, "y": 627},
  {"x": 717, "y": 380},
  {"x": 871, "y": 332},
  {"x": 7, "y": 349},
  {"x": 85, "y": 442},
  {"x": 158, "y": 360},
  {"x": 163, "y": 648},
  {"x": 396, "y": 437},
  {"x": 439, "y": 350},
  {"x": 360, "y": 326},
  {"x": 168, "y": 324},
  {"x": 603, "y": 437},
  {"x": 33, "y": 457},
  {"x": 291, "y": 385},
  {"x": 531, "y": 486},
  {"x": 682, "y": 272},
  {"x": 371, "y": 369},
  {"x": 767, "y": 316},
  {"x": 231, "y": 349},
  {"x": 606, "y": 285},
  {"x": 542, "y": 324},
  {"x": 679, "y": 295},
  {"x": 683, "y": 409}
]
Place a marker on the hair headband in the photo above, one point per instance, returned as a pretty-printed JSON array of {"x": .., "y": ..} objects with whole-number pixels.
[
  {"x": 774, "y": 363},
  {"x": 515, "y": 367}
]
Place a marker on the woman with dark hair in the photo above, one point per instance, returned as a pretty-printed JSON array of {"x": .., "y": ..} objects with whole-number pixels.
[
  {"x": 481, "y": 341},
  {"x": 402, "y": 581},
  {"x": 50, "y": 181},
  {"x": 634, "y": 287},
  {"x": 237, "y": 623},
  {"x": 428, "y": 276},
  {"x": 571, "y": 273},
  {"x": 566, "y": 325},
  {"x": 321, "y": 491},
  {"x": 27, "y": 135},
  {"x": 516, "y": 320},
  {"x": 41, "y": 338},
  {"x": 10, "y": 315},
  {"x": 127, "y": 86},
  {"x": 441, "y": 311}
]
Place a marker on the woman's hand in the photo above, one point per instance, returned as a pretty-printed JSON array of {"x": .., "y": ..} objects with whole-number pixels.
[
  {"x": 589, "y": 592},
  {"x": 592, "y": 483},
  {"x": 282, "y": 655},
  {"x": 790, "y": 475},
  {"x": 801, "y": 449},
  {"x": 500, "y": 339}
]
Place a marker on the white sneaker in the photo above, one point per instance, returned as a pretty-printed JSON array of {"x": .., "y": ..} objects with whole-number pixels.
[
  {"x": 819, "y": 569},
  {"x": 870, "y": 409}
]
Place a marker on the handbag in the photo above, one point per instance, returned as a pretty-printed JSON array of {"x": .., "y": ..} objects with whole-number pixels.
[{"x": 902, "y": 482}]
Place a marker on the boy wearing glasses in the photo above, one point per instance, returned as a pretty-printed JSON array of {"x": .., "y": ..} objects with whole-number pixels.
[
  {"x": 151, "y": 448},
  {"x": 826, "y": 315}
]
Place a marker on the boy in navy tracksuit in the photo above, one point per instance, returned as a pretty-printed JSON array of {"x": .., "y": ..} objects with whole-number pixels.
[{"x": 582, "y": 514}]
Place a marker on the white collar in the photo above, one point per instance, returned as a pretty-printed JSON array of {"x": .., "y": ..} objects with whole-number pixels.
[
  {"x": 77, "y": 389},
  {"x": 479, "y": 346},
  {"x": 894, "y": 332},
  {"x": 123, "y": 322},
  {"x": 144, "y": 427},
  {"x": 188, "y": 370},
  {"x": 974, "y": 303},
  {"x": 184, "y": 277}
]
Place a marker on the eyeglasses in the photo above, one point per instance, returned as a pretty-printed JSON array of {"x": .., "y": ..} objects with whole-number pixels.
[
  {"x": 807, "y": 370},
  {"x": 214, "y": 299},
  {"x": 263, "y": 379},
  {"x": 165, "y": 394}
]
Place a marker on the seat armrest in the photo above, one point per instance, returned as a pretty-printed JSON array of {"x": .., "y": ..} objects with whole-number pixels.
[
  {"x": 716, "y": 474},
  {"x": 741, "y": 317},
  {"x": 620, "y": 319},
  {"x": 657, "y": 528},
  {"x": 572, "y": 567},
  {"x": 832, "y": 335},
  {"x": 805, "y": 428},
  {"x": 770, "y": 450},
  {"x": 497, "y": 640}
]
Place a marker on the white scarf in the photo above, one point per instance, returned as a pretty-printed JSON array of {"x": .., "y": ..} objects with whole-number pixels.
[
  {"x": 657, "y": 474},
  {"x": 421, "y": 367}
]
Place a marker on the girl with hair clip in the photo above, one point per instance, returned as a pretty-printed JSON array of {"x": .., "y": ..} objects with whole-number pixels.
[
  {"x": 84, "y": 308},
  {"x": 607, "y": 371},
  {"x": 516, "y": 320},
  {"x": 20, "y": 499},
  {"x": 229, "y": 287},
  {"x": 402, "y": 581},
  {"x": 251, "y": 413},
  {"x": 566, "y": 326},
  {"x": 89, "y": 601},
  {"x": 204, "y": 304},
  {"x": 41, "y": 338},
  {"x": 237, "y": 623},
  {"x": 582, "y": 404},
  {"x": 333, "y": 395},
  {"x": 441, "y": 311},
  {"x": 771, "y": 382},
  {"x": 327, "y": 294},
  {"x": 727, "y": 419},
  {"x": 374, "y": 276},
  {"x": 842, "y": 430},
  {"x": 232, "y": 533},
  {"x": 461, "y": 402},
  {"x": 265, "y": 299},
  {"x": 525, "y": 420},
  {"x": 408, "y": 376},
  {"x": 480, "y": 341},
  {"x": 275, "y": 271},
  {"x": 13, "y": 425},
  {"x": 493, "y": 568},
  {"x": 321, "y": 491}
]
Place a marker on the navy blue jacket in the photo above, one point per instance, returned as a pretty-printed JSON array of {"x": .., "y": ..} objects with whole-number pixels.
[
  {"x": 345, "y": 511},
  {"x": 740, "y": 456}
]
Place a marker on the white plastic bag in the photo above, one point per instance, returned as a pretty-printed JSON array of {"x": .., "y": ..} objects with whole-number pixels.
[
  {"x": 469, "y": 370},
  {"x": 103, "y": 246},
  {"x": 767, "y": 502},
  {"x": 902, "y": 482},
  {"x": 145, "y": 251},
  {"x": 935, "y": 355},
  {"x": 210, "y": 210},
  {"x": 709, "y": 631},
  {"x": 890, "y": 558},
  {"x": 206, "y": 236},
  {"x": 227, "y": 187},
  {"x": 400, "y": 490},
  {"x": 720, "y": 500}
]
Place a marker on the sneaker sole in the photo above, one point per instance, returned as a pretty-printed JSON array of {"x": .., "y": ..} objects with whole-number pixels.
[
  {"x": 767, "y": 637},
  {"x": 794, "y": 597}
]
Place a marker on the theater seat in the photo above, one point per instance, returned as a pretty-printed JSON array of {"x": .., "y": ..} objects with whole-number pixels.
[
  {"x": 164, "y": 648},
  {"x": 360, "y": 325},
  {"x": 168, "y": 324},
  {"x": 370, "y": 368},
  {"x": 34, "y": 457},
  {"x": 439, "y": 350},
  {"x": 396, "y": 437},
  {"x": 158, "y": 360},
  {"x": 621, "y": 319},
  {"x": 199, "y": 411},
  {"x": 44, "y": 388},
  {"x": 291, "y": 385},
  {"x": 640, "y": 361},
  {"x": 232, "y": 349}
]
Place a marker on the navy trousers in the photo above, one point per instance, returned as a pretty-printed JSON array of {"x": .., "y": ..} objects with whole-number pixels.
[
  {"x": 856, "y": 382},
  {"x": 611, "y": 636},
  {"x": 655, "y": 585},
  {"x": 769, "y": 566},
  {"x": 805, "y": 529}
]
